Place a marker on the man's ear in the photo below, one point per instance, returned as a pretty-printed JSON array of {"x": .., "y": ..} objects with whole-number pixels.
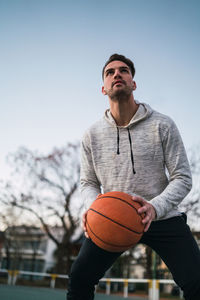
[
  {"x": 103, "y": 90},
  {"x": 134, "y": 85}
]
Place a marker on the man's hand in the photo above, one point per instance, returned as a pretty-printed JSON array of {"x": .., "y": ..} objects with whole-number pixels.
[
  {"x": 84, "y": 221},
  {"x": 84, "y": 224},
  {"x": 147, "y": 209}
]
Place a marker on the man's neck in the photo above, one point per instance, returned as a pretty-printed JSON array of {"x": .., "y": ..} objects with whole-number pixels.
[{"x": 123, "y": 111}]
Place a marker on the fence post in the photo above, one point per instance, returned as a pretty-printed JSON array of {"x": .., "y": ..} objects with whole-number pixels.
[
  {"x": 125, "y": 288},
  {"x": 108, "y": 287},
  {"x": 15, "y": 274},
  {"x": 10, "y": 274},
  {"x": 158, "y": 289},
  {"x": 155, "y": 289},
  {"x": 150, "y": 290},
  {"x": 53, "y": 280}
]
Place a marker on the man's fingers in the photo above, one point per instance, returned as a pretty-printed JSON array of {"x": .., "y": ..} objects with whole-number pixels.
[
  {"x": 142, "y": 202},
  {"x": 146, "y": 219},
  {"x": 146, "y": 210},
  {"x": 84, "y": 224},
  {"x": 147, "y": 226},
  {"x": 147, "y": 222},
  {"x": 86, "y": 235},
  {"x": 142, "y": 210},
  {"x": 139, "y": 200}
]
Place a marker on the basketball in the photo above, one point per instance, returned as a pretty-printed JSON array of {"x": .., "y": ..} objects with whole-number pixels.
[{"x": 113, "y": 223}]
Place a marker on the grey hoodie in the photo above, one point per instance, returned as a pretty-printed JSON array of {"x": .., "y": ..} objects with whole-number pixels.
[{"x": 145, "y": 158}]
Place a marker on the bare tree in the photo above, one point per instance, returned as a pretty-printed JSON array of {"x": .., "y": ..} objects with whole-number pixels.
[{"x": 47, "y": 188}]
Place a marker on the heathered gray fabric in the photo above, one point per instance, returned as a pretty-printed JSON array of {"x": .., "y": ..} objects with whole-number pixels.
[{"x": 157, "y": 147}]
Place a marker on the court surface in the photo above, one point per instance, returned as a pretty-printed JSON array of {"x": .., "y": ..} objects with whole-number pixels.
[{"x": 32, "y": 293}]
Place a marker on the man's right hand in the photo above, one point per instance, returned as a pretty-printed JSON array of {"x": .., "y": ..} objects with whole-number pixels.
[{"x": 84, "y": 225}]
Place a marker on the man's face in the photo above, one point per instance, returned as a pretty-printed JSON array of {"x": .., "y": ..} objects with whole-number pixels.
[{"x": 118, "y": 80}]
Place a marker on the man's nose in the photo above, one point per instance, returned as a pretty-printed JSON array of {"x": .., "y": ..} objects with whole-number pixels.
[{"x": 117, "y": 74}]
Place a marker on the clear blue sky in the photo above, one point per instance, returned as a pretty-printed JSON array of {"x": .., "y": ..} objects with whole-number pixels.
[{"x": 51, "y": 57}]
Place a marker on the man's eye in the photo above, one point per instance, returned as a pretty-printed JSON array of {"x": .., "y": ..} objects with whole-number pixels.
[
  {"x": 124, "y": 70},
  {"x": 109, "y": 72}
]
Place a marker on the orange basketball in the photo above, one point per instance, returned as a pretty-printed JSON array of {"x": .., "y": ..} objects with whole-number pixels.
[{"x": 113, "y": 222}]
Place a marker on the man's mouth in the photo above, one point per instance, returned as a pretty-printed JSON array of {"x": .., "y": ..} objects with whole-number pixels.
[{"x": 118, "y": 82}]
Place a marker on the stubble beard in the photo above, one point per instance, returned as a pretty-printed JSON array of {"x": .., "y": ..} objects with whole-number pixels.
[{"x": 120, "y": 94}]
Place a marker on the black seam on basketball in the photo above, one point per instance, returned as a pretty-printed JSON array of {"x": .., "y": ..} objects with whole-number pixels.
[
  {"x": 115, "y": 221},
  {"x": 113, "y": 245},
  {"x": 102, "y": 197}
]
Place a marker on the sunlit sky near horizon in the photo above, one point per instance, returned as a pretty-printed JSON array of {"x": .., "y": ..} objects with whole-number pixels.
[{"x": 51, "y": 57}]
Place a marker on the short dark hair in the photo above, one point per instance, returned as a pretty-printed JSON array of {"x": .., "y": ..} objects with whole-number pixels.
[{"x": 122, "y": 58}]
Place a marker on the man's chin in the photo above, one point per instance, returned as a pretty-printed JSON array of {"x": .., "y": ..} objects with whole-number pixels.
[{"x": 120, "y": 95}]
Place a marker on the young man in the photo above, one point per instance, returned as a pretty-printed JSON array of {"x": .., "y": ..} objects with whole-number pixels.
[{"x": 129, "y": 150}]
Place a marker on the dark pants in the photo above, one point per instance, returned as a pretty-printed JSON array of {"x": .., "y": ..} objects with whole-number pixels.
[{"x": 171, "y": 239}]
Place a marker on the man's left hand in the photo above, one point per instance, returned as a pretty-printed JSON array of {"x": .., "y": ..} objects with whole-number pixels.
[{"x": 147, "y": 209}]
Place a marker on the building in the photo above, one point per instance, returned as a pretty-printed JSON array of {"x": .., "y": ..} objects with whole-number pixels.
[
  {"x": 24, "y": 248},
  {"x": 29, "y": 248}
]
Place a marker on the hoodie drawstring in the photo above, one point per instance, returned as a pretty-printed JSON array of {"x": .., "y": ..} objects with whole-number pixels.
[
  {"x": 132, "y": 160},
  {"x": 131, "y": 148},
  {"x": 118, "y": 141}
]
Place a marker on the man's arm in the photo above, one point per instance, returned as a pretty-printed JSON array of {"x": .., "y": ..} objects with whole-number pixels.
[
  {"x": 90, "y": 186},
  {"x": 180, "y": 179}
]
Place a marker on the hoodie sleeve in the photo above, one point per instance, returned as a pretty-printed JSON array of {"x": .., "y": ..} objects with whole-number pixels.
[
  {"x": 180, "y": 180},
  {"x": 90, "y": 186}
]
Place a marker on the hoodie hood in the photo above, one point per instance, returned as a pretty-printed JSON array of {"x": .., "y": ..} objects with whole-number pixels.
[{"x": 143, "y": 112}]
